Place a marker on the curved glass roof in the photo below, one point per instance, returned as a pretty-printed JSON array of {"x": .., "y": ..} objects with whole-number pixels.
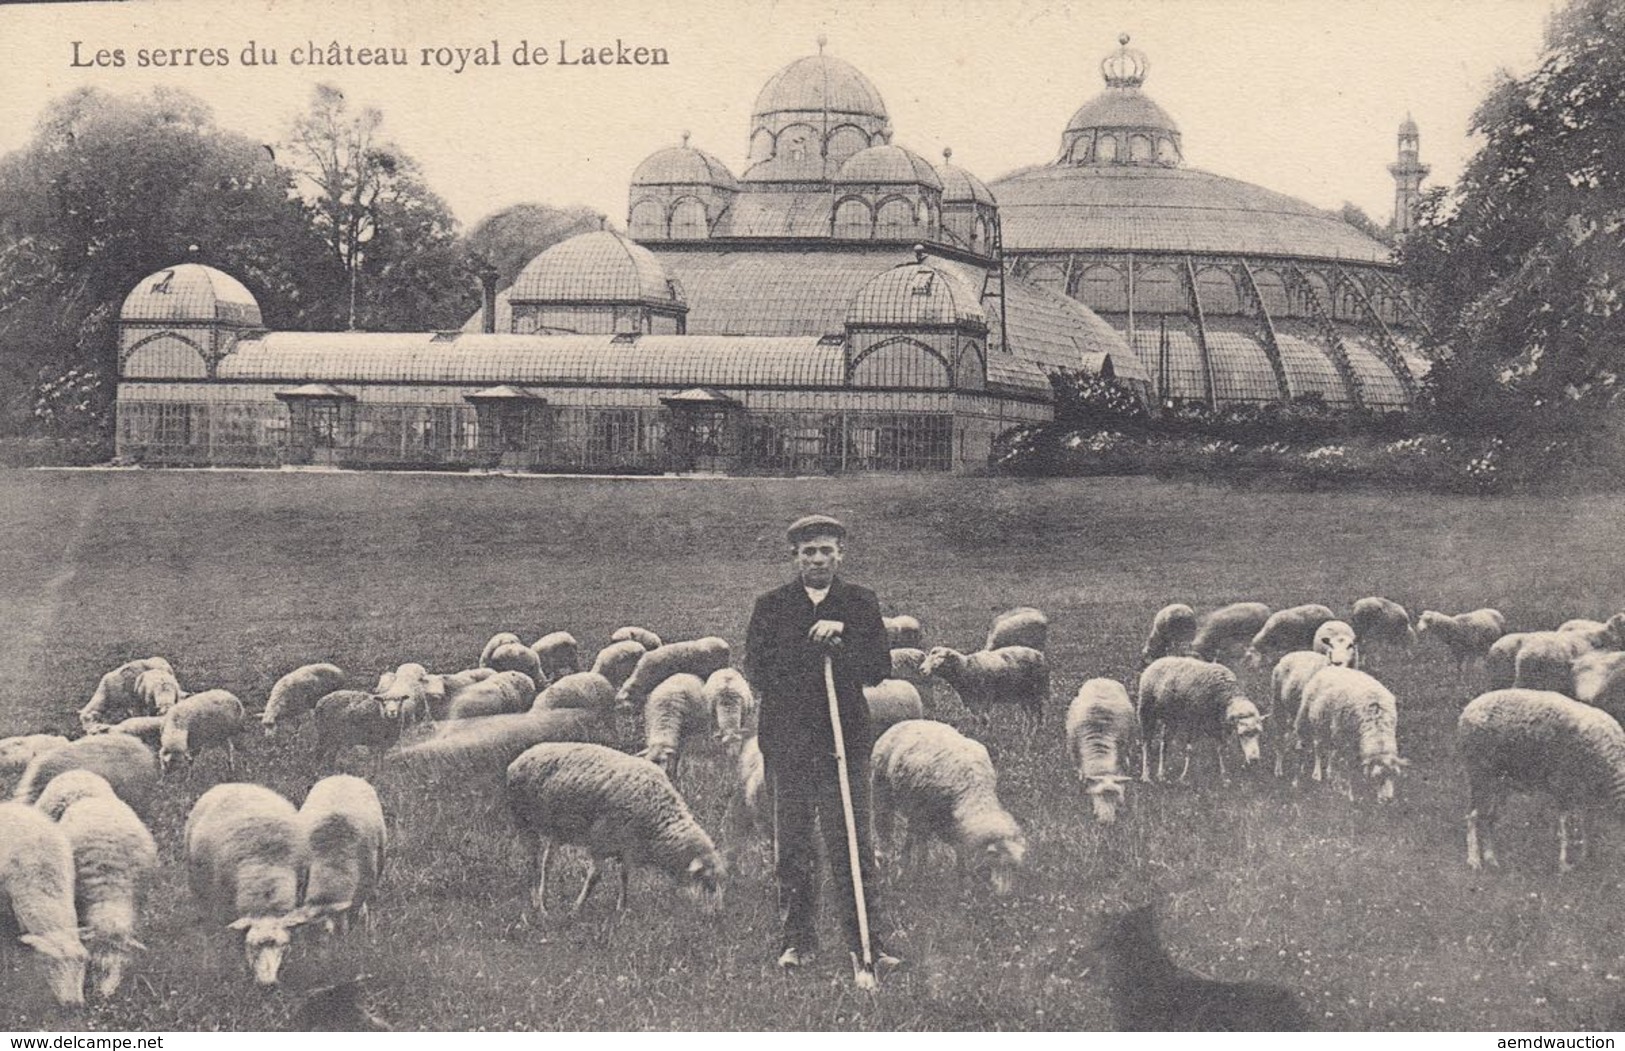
[
  {"x": 683, "y": 166},
  {"x": 959, "y": 185},
  {"x": 599, "y": 360},
  {"x": 889, "y": 164},
  {"x": 1147, "y": 209},
  {"x": 1121, "y": 108},
  {"x": 598, "y": 267},
  {"x": 191, "y": 292},
  {"x": 819, "y": 83},
  {"x": 916, "y": 294}
]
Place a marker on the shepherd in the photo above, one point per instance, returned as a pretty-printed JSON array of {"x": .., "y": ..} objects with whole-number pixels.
[{"x": 811, "y": 647}]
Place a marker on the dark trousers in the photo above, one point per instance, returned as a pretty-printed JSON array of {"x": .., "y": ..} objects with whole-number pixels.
[{"x": 807, "y": 808}]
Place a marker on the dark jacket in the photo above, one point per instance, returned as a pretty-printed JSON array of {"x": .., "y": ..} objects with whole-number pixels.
[{"x": 786, "y": 671}]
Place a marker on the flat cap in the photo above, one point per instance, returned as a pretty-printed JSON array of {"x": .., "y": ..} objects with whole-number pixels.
[{"x": 815, "y": 525}]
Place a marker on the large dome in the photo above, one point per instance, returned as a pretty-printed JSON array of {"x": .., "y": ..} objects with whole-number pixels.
[
  {"x": 191, "y": 292},
  {"x": 819, "y": 83},
  {"x": 597, "y": 267}
]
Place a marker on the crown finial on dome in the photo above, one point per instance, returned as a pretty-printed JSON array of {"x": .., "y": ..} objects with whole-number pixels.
[
  {"x": 1126, "y": 67},
  {"x": 947, "y": 153},
  {"x": 822, "y": 42},
  {"x": 919, "y": 254},
  {"x": 685, "y": 140}
]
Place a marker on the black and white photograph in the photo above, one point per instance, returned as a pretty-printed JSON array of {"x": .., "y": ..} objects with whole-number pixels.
[{"x": 878, "y": 516}]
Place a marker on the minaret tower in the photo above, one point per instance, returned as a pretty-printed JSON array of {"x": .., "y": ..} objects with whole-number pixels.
[{"x": 1408, "y": 172}]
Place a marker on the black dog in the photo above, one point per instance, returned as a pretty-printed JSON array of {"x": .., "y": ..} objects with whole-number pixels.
[{"x": 1151, "y": 993}]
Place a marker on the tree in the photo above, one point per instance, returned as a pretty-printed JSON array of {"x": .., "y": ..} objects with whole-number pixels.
[
  {"x": 392, "y": 238},
  {"x": 110, "y": 190},
  {"x": 1357, "y": 217},
  {"x": 510, "y": 238},
  {"x": 1522, "y": 265}
]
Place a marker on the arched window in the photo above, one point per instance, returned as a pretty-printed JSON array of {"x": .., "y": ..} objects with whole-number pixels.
[
  {"x": 1217, "y": 290},
  {"x": 761, "y": 145},
  {"x": 1272, "y": 292},
  {"x": 900, "y": 362},
  {"x": 978, "y": 233},
  {"x": 1167, "y": 152},
  {"x": 895, "y": 218},
  {"x": 688, "y": 220},
  {"x": 1106, "y": 149},
  {"x": 853, "y": 220},
  {"x": 1079, "y": 153},
  {"x": 1139, "y": 148},
  {"x": 648, "y": 220},
  {"x": 1048, "y": 275},
  {"x": 844, "y": 141},
  {"x": 1323, "y": 293},
  {"x": 1157, "y": 291},
  {"x": 798, "y": 142},
  {"x": 1102, "y": 288}
]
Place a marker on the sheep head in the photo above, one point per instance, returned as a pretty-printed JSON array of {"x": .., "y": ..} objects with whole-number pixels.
[
  {"x": 160, "y": 688},
  {"x": 65, "y": 958},
  {"x": 940, "y": 657},
  {"x": 1105, "y": 793},
  {"x": 1385, "y": 770},
  {"x": 265, "y": 941},
  {"x": 1242, "y": 719},
  {"x": 109, "y": 955},
  {"x": 1254, "y": 659},
  {"x": 705, "y": 875},
  {"x": 1336, "y": 640}
]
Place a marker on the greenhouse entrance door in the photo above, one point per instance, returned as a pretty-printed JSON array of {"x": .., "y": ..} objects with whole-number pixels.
[{"x": 704, "y": 431}]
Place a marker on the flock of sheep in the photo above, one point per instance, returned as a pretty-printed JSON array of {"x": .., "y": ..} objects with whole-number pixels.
[{"x": 75, "y": 853}]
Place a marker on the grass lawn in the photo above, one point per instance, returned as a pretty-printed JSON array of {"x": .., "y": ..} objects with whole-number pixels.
[{"x": 1369, "y": 913}]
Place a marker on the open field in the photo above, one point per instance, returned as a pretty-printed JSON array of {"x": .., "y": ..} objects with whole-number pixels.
[{"x": 1369, "y": 913}]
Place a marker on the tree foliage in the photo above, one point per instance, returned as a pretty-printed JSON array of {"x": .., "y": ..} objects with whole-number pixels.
[
  {"x": 392, "y": 238},
  {"x": 511, "y": 237},
  {"x": 1522, "y": 265}
]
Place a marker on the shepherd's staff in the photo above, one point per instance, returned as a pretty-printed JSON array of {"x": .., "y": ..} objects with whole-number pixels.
[{"x": 850, "y": 817}]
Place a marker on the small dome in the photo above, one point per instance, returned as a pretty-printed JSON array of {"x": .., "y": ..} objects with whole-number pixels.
[
  {"x": 683, "y": 166},
  {"x": 1408, "y": 128},
  {"x": 916, "y": 293},
  {"x": 819, "y": 83},
  {"x": 598, "y": 267},
  {"x": 1121, "y": 108},
  {"x": 191, "y": 292},
  {"x": 889, "y": 164},
  {"x": 960, "y": 186}
]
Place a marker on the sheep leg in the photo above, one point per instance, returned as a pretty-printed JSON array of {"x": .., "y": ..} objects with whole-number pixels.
[
  {"x": 539, "y": 897},
  {"x": 1316, "y": 775},
  {"x": 231, "y": 757},
  {"x": 1145, "y": 761},
  {"x": 620, "y": 899},
  {"x": 1220, "y": 752},
  {"x": 1185, "y": 770},
  {"x": 1563, "y": 862},
  {"x": 1481, "y": 827},
  {"x": 593, "y": 872},
  {"x": 1162, "y": 754}
]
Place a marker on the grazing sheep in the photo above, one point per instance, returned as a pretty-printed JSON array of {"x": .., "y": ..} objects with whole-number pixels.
[
  {"x": 343, "y": 825},
  {"x": 469, "y": 749},
  {"x": 347, "y": 718},
  {"x": 1468, "y": 636},
  {"x": 586, "y": 690},
  {"x": 1172, "y": 631},
  {"x": 1380, "y": 622},
  {"x": 297, "y": 693},
  {"x": 1287, "y": 680},
  {"x": 117, "y": 696},
  {"x": 676, "y": 713},
  {"x": 1545, "y": 661},
  {"x": 442, "y": 689},
  {"x": 890, "y": 702},
  {"x": 1022, "y": 626},
  {"x": 68, "y": 788},
  {"x": 642, "y": 636},
  {"x": 1101, "y": 730},
  {"x": 903, "y": 632},
  {"x": 1603, "y": 635},
  {"x": 1538, "y": 741},
  {"x": 114, "y": 860},
  {"x": 245, "y": 855},
  {"x": 698, "y": 657},
  {"x": 407, "y": 691},
  {"x": 905, "y": 665},
  {"x": 1339, "y": 642},
  {"x": 558, "y": 654},
  {"x": 732, "y": 704},
  {"x": 129, "y": 766},
  {"x": 944, "y": 785},
  {"x": 213, "y": 718},
  {"x": 36, "y": 888},
  {"x": 1011, "y": 675},
  {"x": 495, "y": 642},
  {"x": 1227, "y": 629},
  {"x": 520, "y": 658},
  {"x": 1286, "y": 630},
  {"x": 1550, "y": 653},
  {"x": 1599, "y": 680},
  {"x": 148, "y": 729},
  {"x": 616, "y": 806},
  {"x": 17, "y": 752},
  {"x": 503, "y": 693},
  {"x": 616, "y": 661},
  {"x": 1346, "y": 711},
  {"x": 1190, "y": 698},
  {"x": 1148, "y": 992}
]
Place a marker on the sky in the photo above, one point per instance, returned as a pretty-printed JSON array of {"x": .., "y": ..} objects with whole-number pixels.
[{"x": 1301, "y": 96}]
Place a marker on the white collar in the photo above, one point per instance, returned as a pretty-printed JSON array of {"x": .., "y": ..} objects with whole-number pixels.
[{"x": 816, "y": 594}]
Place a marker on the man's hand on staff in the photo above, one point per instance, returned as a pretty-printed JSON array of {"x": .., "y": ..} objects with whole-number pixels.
[{"x": 827, "y": 633}]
